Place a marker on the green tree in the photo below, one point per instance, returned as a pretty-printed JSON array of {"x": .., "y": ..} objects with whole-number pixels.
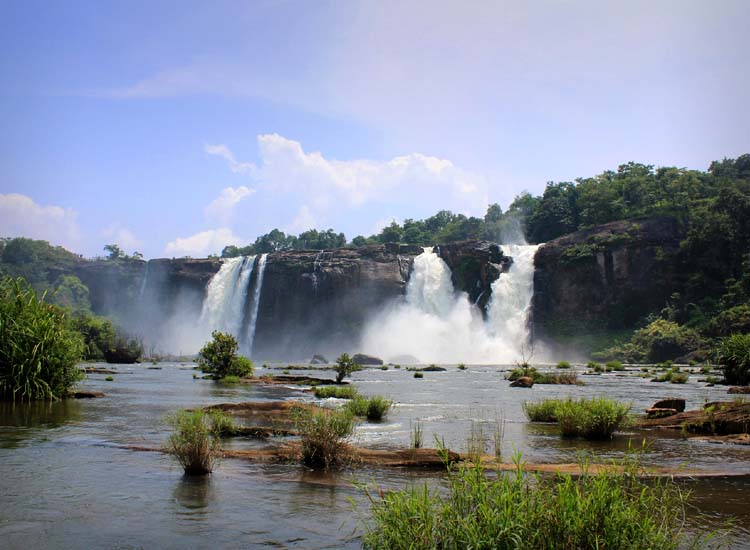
[
  {"x": 219, "y": 357},
  {"x": 345, "y": 366},
  {"x": 115, "y": 252}
]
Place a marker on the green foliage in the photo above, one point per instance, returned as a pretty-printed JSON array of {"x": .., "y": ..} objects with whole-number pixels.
[
  {"x": 563, "y": 365},
  {"x": 543, "y": 411},
  {"x": 219, "y": 357},
  {"x": 596, "y": 418},
  {"x": 38, "y": 348},
  {"x": 673, "y": 376},
  {"x": 339, "y": 392},
  {"x": 417, "y": 435},
  {"x": 615, "y": 365},
  {"x": 593, "y": 365},
  {"x": 660, "y": 340},
  {"x": 418, "y": 374},
  {"x": 373, "y": 408},
  {"x": 735, "y": 320},
  {"x": 276, "y": 241},
  {"x": 544, "y": 377},
  {"x": 733, "y": 353},
  {"x": 98, "y": 334},
  {"x": 123, "y": 350},
  {"x": 40, "y": 263},
  {"x": 615, "y": 509},
  {"x": 195, "y": 440},
  {"x": 344, "y": 367},
  {"x": 323, "y": 435}
]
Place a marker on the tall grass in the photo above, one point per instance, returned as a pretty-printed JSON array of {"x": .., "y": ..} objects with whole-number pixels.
[
  {"x": 195, "y": 440},
  {"x": 417, "y": 434},
  {"x": 339, "y": 392},
  {"x": 373, "y": 408},
  {"x": 543, "y": 411},
  {"x": 613, "y": 510},
  {"x": 323, "y": 435},
  {"x": 38, "y": 348},
  {"x": 596, "y": 418}
]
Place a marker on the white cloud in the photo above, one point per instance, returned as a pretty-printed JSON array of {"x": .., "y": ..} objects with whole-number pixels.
[
  {"x": 121, "y": 236},
  {"x": 222, "y": 207},
  {"x": 202, "y": 244},
  {"x": 20, "y": 216},
  {"x": 303, "y": 221},
  {"x": 223, "y": 151}
]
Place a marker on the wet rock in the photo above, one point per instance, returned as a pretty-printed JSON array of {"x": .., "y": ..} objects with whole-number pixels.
[
  {"x": 716, "y": 418},
  {"x": 363, "y": 359},
  {"x": 739, "y": 390},
  {"x": 433, "y": 368},
  {"x": 318, "y": 359},
  {"x": 676, "y": 403},
  {"x": 523, "y": 382},
  {"x": 81, "y": 394}
]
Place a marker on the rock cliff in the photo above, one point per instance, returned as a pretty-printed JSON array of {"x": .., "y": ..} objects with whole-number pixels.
[{"x": 606, "y": 277}]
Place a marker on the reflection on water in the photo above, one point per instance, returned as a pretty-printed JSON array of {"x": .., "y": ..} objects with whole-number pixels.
[{"x": 67, "y": 481}]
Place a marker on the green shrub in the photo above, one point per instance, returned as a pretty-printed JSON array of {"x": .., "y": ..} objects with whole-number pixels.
[
  {"x": 613, "y": 510},
  {"x": 673, "y": 375},
  {"x": 195, "y": 441},
  {"x": 418, "y": 375},
  {"x": 344, "y": 367},
  {"x": 373, "y": 408},
  {"x": 544, "y": 377},
  {"x": 38, "y": 348},
  {"x": 733, "y": 353},
  {"x": 596, "y": 418},
  {"x": 615, "y": 365},
  {"x": 593, "y": 365},
  {"x": 230, "y": 379},
  {"x": 461, "y": 366},
  {"x": 219, "y": 357},
  {"x": 563, "y": 365},
  {"x": 339, "y": 392},
  {"x": 109, "y": 379},
  {"x": 323, "y": 435},
  {"x": 543, "y": 411}
]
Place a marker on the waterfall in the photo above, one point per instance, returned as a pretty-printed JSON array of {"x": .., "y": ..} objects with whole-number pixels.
[
  {"x": 144, "y": 282},
  {"x": 256, "y": 302},
  {"x": 508, "y": 310},
  {"x": 437, "y": 324},
  {"x": 223, "y": 305}
]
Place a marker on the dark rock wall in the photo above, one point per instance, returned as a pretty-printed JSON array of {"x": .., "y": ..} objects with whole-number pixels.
[{"x": 607, "y": 277}]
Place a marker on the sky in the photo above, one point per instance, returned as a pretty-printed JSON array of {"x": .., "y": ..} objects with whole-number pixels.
[{"x": 176, "y": 128}]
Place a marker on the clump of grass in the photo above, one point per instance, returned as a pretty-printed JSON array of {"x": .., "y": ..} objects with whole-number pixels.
[
  {"x": 323, "y": 435},
  {"x": 615, "y": 509},
  {"x": 396, "y": 366},
  {"x": 593, "y": 365},
  {"x": 373, "y": 408},
  {"x": 673, "y": 376},
  {"x": 417, "y": 435},
  {"x": 109, "y": 379},
  {"x": 384, "y": 367},
  {"x": 418, "y": 375},
  {"x": 230, "y": 379},
  {"x": 563, "y": 365},
  {"x": 543, "y": 411},
  {"x": 461, "y": 366},
  {"x": 615, "y": 365},
  {"x": 596, "y": 418},
  {"x": 339, "y": 392},
  {"x": 195, "y": 440},
  {"x": 705, "y": 369},
  {"x": 570, "y": 378},
  {"x": 476, "y": 442}
]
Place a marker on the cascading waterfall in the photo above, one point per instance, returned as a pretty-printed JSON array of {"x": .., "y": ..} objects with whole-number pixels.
[
  {"x": 144, "y": 282},
  {"x": 226, "y": 294},
  {"x": 437, "y": 324},
  {"x": 256, "y": 302}
]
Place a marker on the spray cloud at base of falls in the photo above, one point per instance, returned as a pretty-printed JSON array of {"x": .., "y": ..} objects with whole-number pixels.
[{"x": 437, "y": 324}]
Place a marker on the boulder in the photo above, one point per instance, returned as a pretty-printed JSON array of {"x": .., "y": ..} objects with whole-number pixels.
[
  {"x": 739, "y": 389},
  {"x": 318, "y": 360},
  {"x": 676, "y": 403},
  {"x": 363, "y": 359},
  {"x": 523, "y": 382}
]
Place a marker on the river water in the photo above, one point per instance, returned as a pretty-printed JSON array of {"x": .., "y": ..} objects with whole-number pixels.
[{"x": 69, "y": 482}]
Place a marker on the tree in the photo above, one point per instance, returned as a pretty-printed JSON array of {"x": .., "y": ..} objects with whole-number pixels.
[
  {"x": 219, "y": 357},
  {"x": 391, "y": 233},
  {"x": 115, "y": 252},
  {"x": 345, "y": 366}
]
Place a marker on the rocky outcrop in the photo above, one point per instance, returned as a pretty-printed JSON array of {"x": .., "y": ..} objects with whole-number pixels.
[
  {"x": 475, "y": 265},
  {"x": 364, "y": 359},
  {"x": 606, "y": 277}
]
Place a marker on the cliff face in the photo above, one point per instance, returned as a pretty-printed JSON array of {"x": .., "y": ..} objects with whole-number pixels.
[{"x": 606, "y": 277}]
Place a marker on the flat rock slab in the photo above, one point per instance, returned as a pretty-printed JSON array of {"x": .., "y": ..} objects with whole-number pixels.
[
  {"x": 739, "y": 390},
  {"x": 717, "y": 418},
  {"x": 86, "y": 394}
]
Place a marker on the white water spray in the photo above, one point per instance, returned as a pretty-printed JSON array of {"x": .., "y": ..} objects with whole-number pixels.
[
  {"x": 437, "y": 324},
  {"x": 256, "y": 302},
  {"x": 226, "y": 294}
]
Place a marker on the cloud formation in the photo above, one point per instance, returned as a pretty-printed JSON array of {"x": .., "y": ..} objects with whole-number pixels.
[
  {"x": 222, "y": 207},
  {"x": 121, "y": 236},
  {"x": 223, "y": 151},
  {"x": 202, "y": 244},
  {"x": 20, "y": 216}
]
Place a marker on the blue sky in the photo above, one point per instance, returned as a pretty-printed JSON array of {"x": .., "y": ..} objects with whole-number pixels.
[{"x": 174, "y": 128}]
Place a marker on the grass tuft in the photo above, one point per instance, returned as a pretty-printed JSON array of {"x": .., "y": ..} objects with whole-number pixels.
[
  {"x": 195, "y": 440},
  {"x": 339, "y": 392},
  {"x": 323, "y": 435},
  {"x": 373, "y": 408}
]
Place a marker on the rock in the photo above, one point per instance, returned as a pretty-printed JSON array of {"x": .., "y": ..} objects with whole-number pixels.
[
  {"x": 605, "y": 277},
  {"x": 676, "y": 403},
  {"x": 363, "y": 359},
  {"x": 523, "y": 382},
  {"x": 739, "y": 389},
  {"x": 433, "y": 368},
  {"x": 716, "y": 418},
  {"x": 318, "y": 360},
  {"x": 81, "y": 394}
]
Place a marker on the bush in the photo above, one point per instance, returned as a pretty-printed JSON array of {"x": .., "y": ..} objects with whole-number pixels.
[
  {"x": 596, "y": 418},
  {"x": 614, "y": 365},
  {"x": 123, "y": 350},
  {"x": 339, "y": 392},
  {"x": 544, "y": 411},
  {"x": 734, "y": 354},
  {"x": 613, "y": 510},
  {"x": 593, "y": 365},
  {"x": 219, "y": 357},
  {"x": 563, "y": 365},
  {"x": 344, "y": 367},
  {"x": 373, "y": 408},
  {"x": 323, "y": 435},
  {"x": 418, "y": 375},
  {"x": 544, "y": 377},
  {"x": 38, "y": 348},
  {"x": 195, "y": 441}
]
